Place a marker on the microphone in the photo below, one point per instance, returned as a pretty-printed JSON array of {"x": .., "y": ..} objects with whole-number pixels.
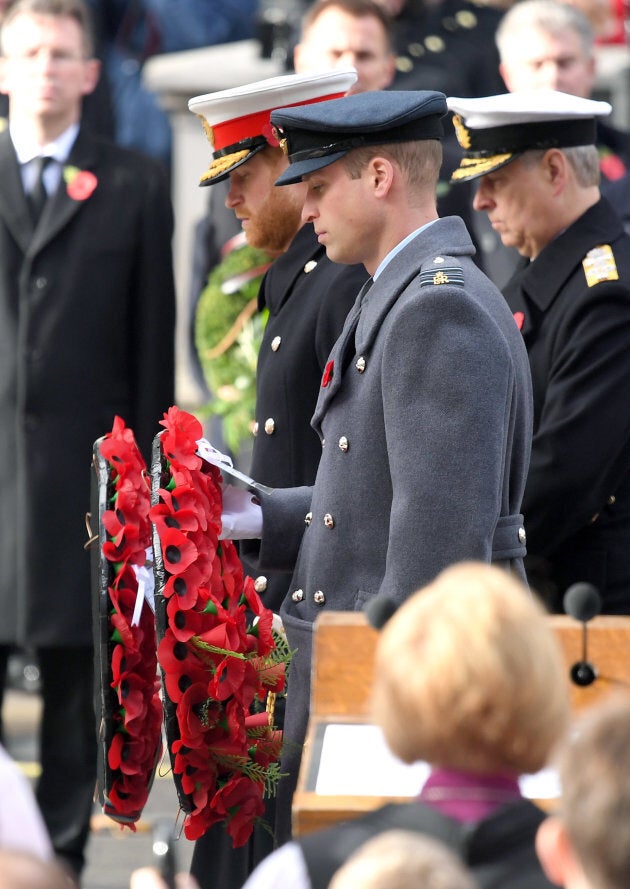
[
  {"x": 582, "y": 602},
  {"x": 379, "y": 610}
]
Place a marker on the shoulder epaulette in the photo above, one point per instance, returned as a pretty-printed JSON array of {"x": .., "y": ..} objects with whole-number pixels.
[
  {"x": 437, "y": 272},
  {"x": 599, "y": 265}
]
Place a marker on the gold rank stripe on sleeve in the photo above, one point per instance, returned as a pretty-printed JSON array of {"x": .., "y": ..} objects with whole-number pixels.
[
  {"x": 599, "y": 265},
  {"x": 449, "y": 275}
]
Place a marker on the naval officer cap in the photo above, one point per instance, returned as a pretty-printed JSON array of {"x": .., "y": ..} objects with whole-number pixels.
[
  {"x": 236, "y": 121},
  {"x": 495, "y": 130},
  {"x": 316, "y": 136}
]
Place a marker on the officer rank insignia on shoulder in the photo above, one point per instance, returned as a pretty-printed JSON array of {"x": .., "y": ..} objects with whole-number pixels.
[
  {"x": 445, "y": 275},
  {"x": 599, "y": 265}
]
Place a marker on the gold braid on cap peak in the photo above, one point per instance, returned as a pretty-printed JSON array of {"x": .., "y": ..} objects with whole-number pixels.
[
  {"x": 479, "y": 165},
  {"x": 462, "y": 133},
  {"x": 207, "y": 129},
  {"x": 221, "y": 164}
]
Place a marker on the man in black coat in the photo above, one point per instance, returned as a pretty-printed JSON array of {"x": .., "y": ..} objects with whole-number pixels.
[
  {"x": 86, "y": 332},
  {"x": 538, "y": 166},
  {"x": 308, "y": 298}
]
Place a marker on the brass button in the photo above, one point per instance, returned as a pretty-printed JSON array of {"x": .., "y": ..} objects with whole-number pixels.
[
  {"x": 360, "y": 365},
  {"x": 434, "y": 43},
  {"x": 466, "y": 18},
  {"x": 310, "y": 265},
  {"x": 319, "y": 598},
  {"x": 270, "y": 426},
  {"x": 329, "y": 522},
  {"x": 297, "y": 595},
  {"x": 522, "y": 536},
  {"x": 308, "y": 518},
  {"x": 260, "y": 584},
  {"x": 611, "y": 500},
  {"x": 275, "y": 343},
  {"x": 343, "y": 444},
  {"x": 255, "y": 428}
]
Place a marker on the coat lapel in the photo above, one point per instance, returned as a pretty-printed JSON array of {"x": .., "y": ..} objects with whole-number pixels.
[
  {"x": 13, "y": 206},
  {"x": 376, "y": 299},
  {"x": 61, "y": 208}
]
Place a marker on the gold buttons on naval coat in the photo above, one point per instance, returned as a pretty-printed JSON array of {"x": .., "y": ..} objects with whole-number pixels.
[
  {"x": 319, "y": 598},
  {"x": 270, "y": 426},
  {"x": 344, "y": 444},
  {"x": 329, "y": 522},
  {"x": 522, "y": 536},
  {"x": 297, "y": 595},
  {"x": 260, "y": 584},
  {"x": 611, "y": 500},
  {"x": 360, "y": 365},
  {"x": 308, "y": 518},
  {"x": 310, "y": 265},
  {"x": 275, "y": 343}
]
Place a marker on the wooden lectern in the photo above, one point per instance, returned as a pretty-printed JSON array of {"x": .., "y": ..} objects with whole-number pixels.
[{"x": 343, "y": 651}]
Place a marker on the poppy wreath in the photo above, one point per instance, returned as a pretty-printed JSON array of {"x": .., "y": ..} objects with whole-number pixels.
[
  {"x": 127, "y": 685},
  {"x": 221, "y": 661}
]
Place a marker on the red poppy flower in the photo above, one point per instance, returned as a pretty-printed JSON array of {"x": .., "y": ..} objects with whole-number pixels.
[
  {"x": 179, "y": 442},
  {"x": 178, "y": 551},
  {"x": 240, "y": 802},
  {"x": 184, "y": 623},
  {"x": 81, "y": 186}
]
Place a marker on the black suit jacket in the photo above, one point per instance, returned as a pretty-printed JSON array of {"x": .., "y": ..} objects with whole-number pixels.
[
  {"x": 86, "y": 332},
  {"x": 577, "y": 333}
]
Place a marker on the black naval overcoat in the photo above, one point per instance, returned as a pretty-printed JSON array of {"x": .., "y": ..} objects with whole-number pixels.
[{"x": 573, "y": 305}]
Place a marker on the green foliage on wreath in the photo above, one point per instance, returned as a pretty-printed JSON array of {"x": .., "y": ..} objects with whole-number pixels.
[{"x": 228, "y": 333}]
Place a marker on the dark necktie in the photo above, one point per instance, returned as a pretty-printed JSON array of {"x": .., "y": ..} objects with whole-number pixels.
[{"x": 38, "y": 195}]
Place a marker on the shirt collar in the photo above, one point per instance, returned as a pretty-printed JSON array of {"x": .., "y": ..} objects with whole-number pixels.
[
  {"x": 59, "y": 148},
  {"x": 399, "y": 247}
]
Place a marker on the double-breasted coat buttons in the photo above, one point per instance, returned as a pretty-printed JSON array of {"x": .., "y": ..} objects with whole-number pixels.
[
  {"x": 297, "y": 595},
  {"x": 319, "y": 598},
  {"x": 344, "y": 444},
  {"x": 260, "y": 584},
  {"x": 270, "y": 426},
  {"x": 329, "y": 522}
]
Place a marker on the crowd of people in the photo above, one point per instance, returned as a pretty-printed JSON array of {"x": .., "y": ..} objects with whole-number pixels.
[{"x": 440, "y": 401}]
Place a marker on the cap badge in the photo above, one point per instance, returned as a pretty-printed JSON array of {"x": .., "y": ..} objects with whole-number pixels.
[
  {"x": 281, "y": 140},
  {"x": 462, "y": 133},
  {"x": 599, "y": 265}
]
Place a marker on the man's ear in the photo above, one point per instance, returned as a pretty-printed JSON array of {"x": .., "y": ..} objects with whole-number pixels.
[
  {"x": 554, "y": 851},
  {"x": 556, "y": 168},
  {"x": 381, "y": 172}
]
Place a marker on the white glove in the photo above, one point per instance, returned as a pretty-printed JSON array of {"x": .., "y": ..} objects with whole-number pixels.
[{"x": 241, "y": 516}]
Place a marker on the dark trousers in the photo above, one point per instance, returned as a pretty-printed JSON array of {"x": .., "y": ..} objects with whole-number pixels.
[{"x": 65, "y": 789}]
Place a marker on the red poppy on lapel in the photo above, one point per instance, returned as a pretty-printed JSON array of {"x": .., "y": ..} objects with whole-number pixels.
[
  {"x": 79, "y": 183},
  {"x": 328, "y": 374},
  {"x": 519, "y": 317}
]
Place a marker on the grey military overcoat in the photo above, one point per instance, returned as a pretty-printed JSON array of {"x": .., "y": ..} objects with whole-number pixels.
[{"x": 425, "y": 414}]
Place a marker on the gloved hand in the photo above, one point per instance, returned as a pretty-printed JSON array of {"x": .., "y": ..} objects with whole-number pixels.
[{"x": 241, "y": 515}]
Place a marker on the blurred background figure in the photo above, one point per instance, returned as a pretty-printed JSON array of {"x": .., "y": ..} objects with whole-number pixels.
[
  {"x": 400, "y": 859},
  {"x": 131, "y": 31},
  {"x": 348, "y": 33},
  {"x": 586, "y": 845},
  {"x": 469, "y": 677}
]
